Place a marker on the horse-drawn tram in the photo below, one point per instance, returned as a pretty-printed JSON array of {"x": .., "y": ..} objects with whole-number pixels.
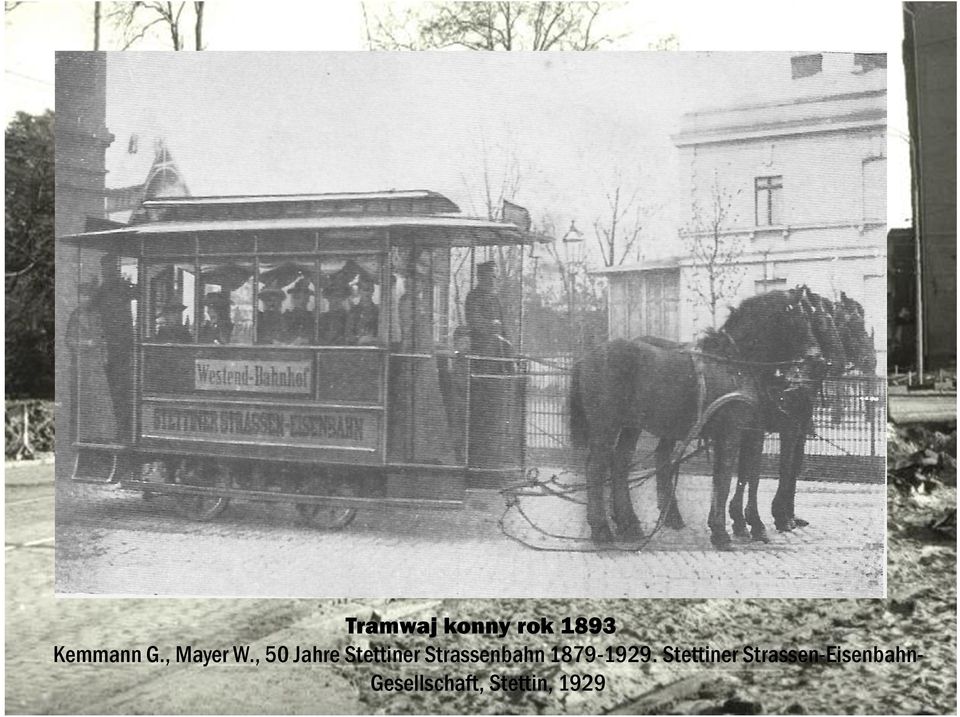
[{"x": 331, "y": 351}]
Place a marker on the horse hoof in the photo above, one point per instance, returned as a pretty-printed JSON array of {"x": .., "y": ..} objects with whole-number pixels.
[
  {"x": 760, "y": 535},
  {"x": 721, "y": 541},
  {"x": 602, "y": 536},
  {"x": 740, "y": 530},
  {"x": 800, "y": 522},
  {"x": 785, "y": 526},
  {"x": 630, "y": 533}
]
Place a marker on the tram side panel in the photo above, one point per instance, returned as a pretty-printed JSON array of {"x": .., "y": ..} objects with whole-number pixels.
[{"x": 314, "y": 406}]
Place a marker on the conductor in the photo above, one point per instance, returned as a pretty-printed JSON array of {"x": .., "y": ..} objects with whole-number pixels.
[{"x": 484, "y": 315}]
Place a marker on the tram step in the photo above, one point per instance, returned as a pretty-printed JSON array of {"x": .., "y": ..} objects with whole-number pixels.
[{"x": 96, "y": 466}]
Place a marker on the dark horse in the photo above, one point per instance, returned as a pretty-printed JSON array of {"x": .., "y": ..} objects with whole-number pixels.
[
  {"x": 794, "y": 424},
  {"x": 841, "y": 332},
  {"x": 623, "y": 387}
]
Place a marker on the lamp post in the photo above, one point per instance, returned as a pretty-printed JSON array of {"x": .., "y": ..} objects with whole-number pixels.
[{"x": 571, "y": 243}]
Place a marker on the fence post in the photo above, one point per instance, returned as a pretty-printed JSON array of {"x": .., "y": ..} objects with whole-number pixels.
[{"x": 25, "y": 449}]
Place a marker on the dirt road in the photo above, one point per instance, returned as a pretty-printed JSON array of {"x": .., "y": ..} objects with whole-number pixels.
[{"x": 920, "y": 613}]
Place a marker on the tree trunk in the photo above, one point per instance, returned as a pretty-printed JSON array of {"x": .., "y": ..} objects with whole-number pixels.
[
  {"x": 96, "y": 26},
  {"x": 198, "y": 28}
]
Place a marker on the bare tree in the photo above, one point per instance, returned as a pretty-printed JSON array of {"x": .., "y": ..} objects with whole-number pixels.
[
  {"x": 136, "y": 19},
  {"x": 507, "y": 26},
  {"x": 618, "y": 233},
  {"x": 716, "y": 275}
]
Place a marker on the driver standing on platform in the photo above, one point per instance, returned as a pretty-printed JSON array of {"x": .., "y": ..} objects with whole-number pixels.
[{"x": 484, "y": 315}]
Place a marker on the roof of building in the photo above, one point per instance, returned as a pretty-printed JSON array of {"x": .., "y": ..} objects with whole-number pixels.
[{"x": 842, "y": 94}]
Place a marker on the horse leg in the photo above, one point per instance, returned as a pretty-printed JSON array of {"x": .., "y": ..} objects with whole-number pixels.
[
  {"x": 628, "y": 526},
  {"x": 751, "y": 451},
  {"x": 724, "y": 461},
  {"x": 667, "y": 476},
  {"x": 736, "y": 508},
  {"x": 598, "y": 466}
]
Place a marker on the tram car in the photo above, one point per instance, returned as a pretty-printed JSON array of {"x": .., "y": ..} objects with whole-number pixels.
[{"x": 336, "y": 352}]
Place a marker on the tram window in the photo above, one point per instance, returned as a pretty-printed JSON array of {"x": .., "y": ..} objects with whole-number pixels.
[
  {"x": 421, "y": 282},
  {"x": 287, "y": 297},
  {"x": 170, "y": 302},
  {"x": 350, "y": 301},
  {"x": 227, "y": 311}
]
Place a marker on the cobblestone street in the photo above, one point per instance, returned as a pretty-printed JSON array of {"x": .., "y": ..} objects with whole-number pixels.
[{"x": 111, "y": 541}]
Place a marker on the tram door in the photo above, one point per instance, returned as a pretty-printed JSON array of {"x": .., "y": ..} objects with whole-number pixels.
[
  {"x": 426, "y": 403},
  {"x": 101, "y": 336},
  {"x": 454, "y": 399}
]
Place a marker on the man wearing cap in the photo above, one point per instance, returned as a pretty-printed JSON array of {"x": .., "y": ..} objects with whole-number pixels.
[
  {"x": 217, "y": 329},
  {"x": 333, "y": 323},
  {"x": 270, "y": 320},
  {"x": 170, "y": 328},
  {"x": 364, "y": 317},
  {"x": 485, "y": 316},
  {"x": 298, "y": 320}
]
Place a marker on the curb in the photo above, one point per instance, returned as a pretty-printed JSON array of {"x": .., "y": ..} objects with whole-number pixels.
[{"x": 43, "y": 460}]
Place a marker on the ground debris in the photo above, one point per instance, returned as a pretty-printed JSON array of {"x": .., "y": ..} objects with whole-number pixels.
[{"x": 921, "y": 459}]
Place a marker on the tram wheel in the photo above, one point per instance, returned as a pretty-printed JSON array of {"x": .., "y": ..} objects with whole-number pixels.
[
  {"x": 328, "y": 516},
  {"x": 207, "y": 474}
]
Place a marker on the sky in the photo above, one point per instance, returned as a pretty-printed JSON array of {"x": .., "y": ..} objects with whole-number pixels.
[{"x": 572, "y": 128}]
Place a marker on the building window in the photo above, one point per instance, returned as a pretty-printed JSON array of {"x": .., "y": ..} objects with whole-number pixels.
[
  {"x": 769, "y": 198},
  {"x": 765, "y": 286},
  {"x": 806, "y": 65},
  {"x": 874, "y": 189}
]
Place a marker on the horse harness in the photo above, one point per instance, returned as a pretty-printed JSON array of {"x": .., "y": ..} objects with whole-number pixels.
[{"x": 759, "y": 393}]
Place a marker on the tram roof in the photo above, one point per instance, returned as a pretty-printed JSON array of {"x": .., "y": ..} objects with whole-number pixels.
[
  {"x": 457, "y": 230},
  {"x": 420, "y": 209},
  {"x": 411, "y": 201}
]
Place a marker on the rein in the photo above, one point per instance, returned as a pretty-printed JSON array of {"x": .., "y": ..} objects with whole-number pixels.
[{"x": 741, "y": 362}]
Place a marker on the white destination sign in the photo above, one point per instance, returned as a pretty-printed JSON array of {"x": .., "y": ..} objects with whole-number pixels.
[{"x": 252, "y": 376}]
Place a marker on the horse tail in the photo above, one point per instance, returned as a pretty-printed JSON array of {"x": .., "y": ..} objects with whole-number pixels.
[{"x": 579, "y": 428}]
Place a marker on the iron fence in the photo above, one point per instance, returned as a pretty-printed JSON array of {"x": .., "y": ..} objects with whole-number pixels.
[{"x": 849, "y": 415}]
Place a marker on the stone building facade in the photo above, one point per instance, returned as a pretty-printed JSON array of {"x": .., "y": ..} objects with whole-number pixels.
[{"x": 791, "y": 190}]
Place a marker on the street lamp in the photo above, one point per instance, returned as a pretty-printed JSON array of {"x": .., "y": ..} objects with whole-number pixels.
[{"x": 573, "y": 237}]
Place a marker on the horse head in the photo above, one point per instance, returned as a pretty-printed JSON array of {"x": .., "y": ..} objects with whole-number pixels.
[
  {"x": 771, "y": 328},
  {"x": 857, "y": 342},
  {"x": 824, "y": 326}
]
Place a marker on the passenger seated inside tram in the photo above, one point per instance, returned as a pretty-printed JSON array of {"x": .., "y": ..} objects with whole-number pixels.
[
  {"x": 364, "y": 317},
  {"x": 298, "y": 320},
  {"x": 170, "y": 328},
  {"x": 333, "y": 322},
  {"x": 270, "y": 329},
  {"x": 218, "y": 326}
]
